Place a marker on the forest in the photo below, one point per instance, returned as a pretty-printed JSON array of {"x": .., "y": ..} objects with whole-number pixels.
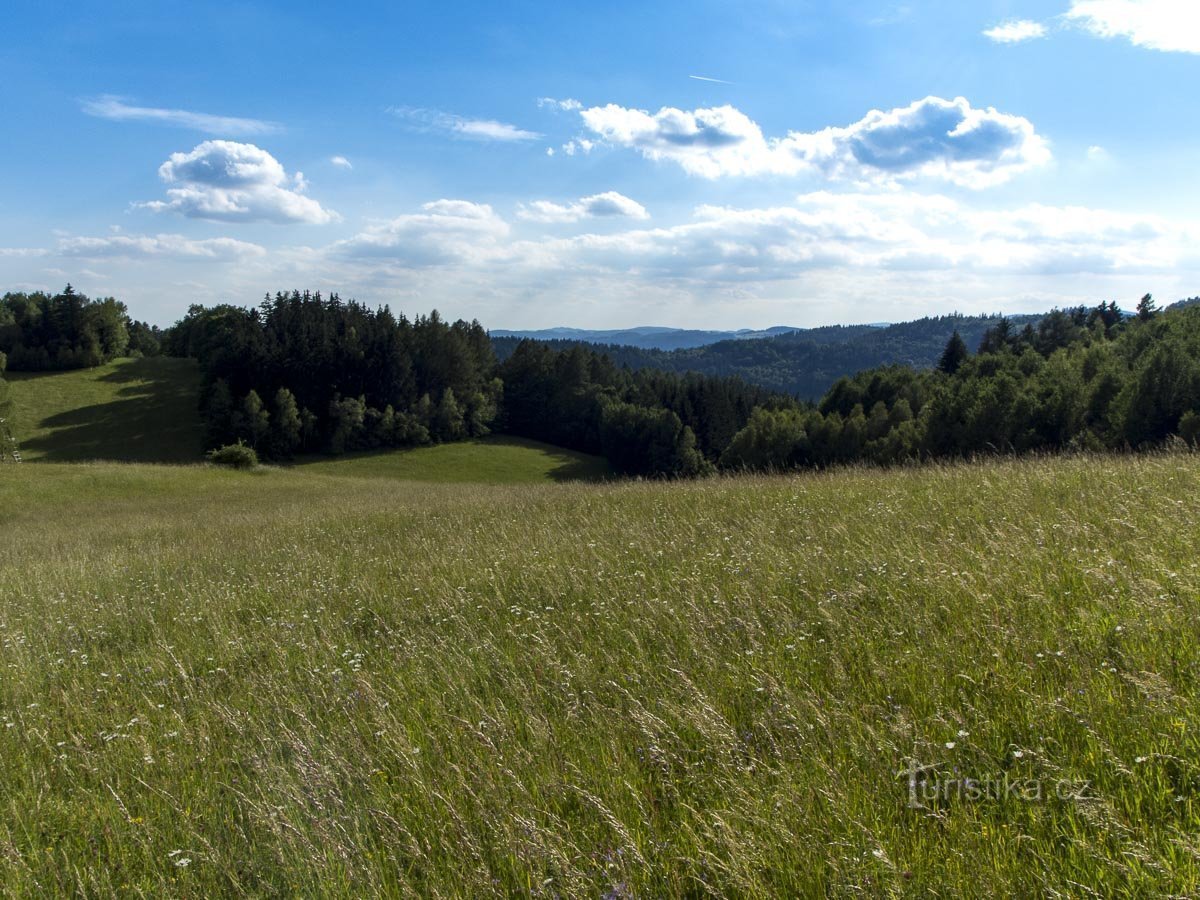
[
  {"x": 304, "y": 373},
  {"x": 804, "y": 363}
]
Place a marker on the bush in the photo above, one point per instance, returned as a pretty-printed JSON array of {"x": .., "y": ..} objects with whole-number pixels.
[{"x": 234, "y": 456}]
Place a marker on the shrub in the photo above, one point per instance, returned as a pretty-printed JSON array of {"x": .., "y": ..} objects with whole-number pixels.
[{"x": 234, "y": 456}]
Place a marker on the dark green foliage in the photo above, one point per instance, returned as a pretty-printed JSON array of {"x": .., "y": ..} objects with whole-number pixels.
[
  {"x": 1084, "y": 379},
  {"x": 1146, "y": 309},
  {"x": 804, "y": 363},
  {"x": 954, "y": 355},
  {"x": 287, "y": 427},
  {"x": 578, "y": 398},
  {"x": 357, "y": 378},
  {"x": 639, "y": 440},
  {"x": 234, "y": 456},
  {"x": 67, "y": 331}
]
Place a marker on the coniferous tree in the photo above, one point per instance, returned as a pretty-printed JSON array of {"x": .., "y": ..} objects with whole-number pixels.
[
  {"x": 1146, "y": 309},
  {"x": 954, "y": 355}
]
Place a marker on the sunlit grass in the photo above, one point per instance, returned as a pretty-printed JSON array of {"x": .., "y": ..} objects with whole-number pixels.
[{"x": 287, "y": 683}]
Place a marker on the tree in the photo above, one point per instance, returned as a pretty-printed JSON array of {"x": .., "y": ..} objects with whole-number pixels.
[
  {"x": 253, "y": 421},
  {"x": 287, "y": 428},
  {"x": 1146, "y": 309},
  {"x": 448, "y": 420},
  {"x": 954, "y": 355}
]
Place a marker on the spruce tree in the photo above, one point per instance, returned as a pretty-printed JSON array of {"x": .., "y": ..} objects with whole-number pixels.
[{"x": 954, "y": 355}]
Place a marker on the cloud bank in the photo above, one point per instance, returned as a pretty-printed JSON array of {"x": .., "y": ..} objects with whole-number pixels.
[
  {"x": 931, "y": 138},
  {"x": 171, "y": 246},
  {"x": 230, "y": 182}
]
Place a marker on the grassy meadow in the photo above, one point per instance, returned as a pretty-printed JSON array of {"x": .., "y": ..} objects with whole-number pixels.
[
  {"x": 310, "y": 682},
  {"x": 134, "y": 410}
]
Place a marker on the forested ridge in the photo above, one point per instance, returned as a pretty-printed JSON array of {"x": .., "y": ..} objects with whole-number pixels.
[
  {"x": 803, "y": 363},
  {"x": 305, "y": 373}
]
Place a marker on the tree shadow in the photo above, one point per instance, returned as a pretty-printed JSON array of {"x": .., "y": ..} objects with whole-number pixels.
[{"x": 153, "y": 419}]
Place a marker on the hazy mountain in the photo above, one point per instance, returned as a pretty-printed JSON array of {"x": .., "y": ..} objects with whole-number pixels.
[{"x": 648, "y": 337}]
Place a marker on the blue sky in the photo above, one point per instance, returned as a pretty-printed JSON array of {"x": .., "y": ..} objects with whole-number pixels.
[{"x": 535, "y": 164}]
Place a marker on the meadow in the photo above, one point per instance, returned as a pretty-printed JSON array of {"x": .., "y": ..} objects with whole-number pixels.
[{"x": 960, "y": 680}]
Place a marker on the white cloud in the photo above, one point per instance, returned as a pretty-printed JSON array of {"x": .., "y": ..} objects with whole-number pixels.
[
  {"x": 20, "y": 252},
  {"x": 1016, "y": 31},
  {"x": 610, "y": 204},
  {"x": 462, "y": 127},
  {"x": 567, "y": 105},
  {"x": 173, "y": 246},
  {"x": 857, "y": 233},
  {"x": 947, "y": 139},
  {"x": 231, "y": 182},
  {"x": 341, "y": 162},
  {"x": 445, "y": 232},
  {"x": 579, "y": 145},
  {"x": 1172, "y": 25},
  {"x": 117, "y": 110}
]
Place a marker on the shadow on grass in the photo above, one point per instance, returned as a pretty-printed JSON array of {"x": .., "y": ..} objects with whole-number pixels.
[
  {"x": 153, "y": 419},
  {"x": 556, "y": 463}
]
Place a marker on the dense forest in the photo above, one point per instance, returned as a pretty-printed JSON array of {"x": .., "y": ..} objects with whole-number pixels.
[
  {"x": 1081, "y": 379},
  {"x": 39, "y": 332},
  {"x": 804, "y": 363},
  {"x": 303, "y": 373}
]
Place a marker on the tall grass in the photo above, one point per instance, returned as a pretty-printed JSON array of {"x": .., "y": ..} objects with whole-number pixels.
[{"x": 298, "y": 684}]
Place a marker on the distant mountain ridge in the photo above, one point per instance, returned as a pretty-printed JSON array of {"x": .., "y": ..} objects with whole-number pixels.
[{"x": 646, "y": 337}]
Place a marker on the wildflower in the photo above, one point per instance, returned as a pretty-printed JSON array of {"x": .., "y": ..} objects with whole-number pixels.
[{"x": 950, "y": 745}]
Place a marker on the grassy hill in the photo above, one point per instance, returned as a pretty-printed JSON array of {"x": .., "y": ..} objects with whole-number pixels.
[
  {"x": 145, "y": 410},
  {"x": 139, "y": 410},
  {"x": 284, "y": 683}
]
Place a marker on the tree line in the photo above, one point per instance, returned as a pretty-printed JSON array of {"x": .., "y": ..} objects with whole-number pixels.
[
  {"x": 306, "y": 373},
  {"x": 40, "y": 332},
  {"x": 1089, "y": 379}
]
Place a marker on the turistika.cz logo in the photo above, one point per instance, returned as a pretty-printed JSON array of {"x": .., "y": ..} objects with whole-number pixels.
[{"x": 927, "y": 787}]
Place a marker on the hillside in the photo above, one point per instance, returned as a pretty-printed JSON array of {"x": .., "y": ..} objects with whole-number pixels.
[
  {"x": 290, "y": 684},
  {"x": 135, "y": 410},
  {"x": 805, "y": 363}
]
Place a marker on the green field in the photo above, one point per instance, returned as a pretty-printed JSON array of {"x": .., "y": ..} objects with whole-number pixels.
[
  {"x": 493, "y": 460},
  {"x": 288, "y": 683},
  {"x": 137, "y": 410}
]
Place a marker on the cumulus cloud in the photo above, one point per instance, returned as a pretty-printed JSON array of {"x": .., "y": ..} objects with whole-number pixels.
[
  {"x": 462, "y": 127},
  {"x": 1172, "y": 25},
  {"x": 20, "y": 252},
  {"x": 117, "y": 110},
  {"x": 445, "y": 232},
  {"x": 1016, "y": 31},
  {"x": 947, "y": 139},
  {"x": 173, "y": 246},
  {"x": 231, "y": 182},
  {"x": 610, "y": 204},
  {"x": 341, "y": 162}
]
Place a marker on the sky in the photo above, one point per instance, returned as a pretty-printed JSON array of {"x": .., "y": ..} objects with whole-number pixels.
[{"x": 705, "y": 164}]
